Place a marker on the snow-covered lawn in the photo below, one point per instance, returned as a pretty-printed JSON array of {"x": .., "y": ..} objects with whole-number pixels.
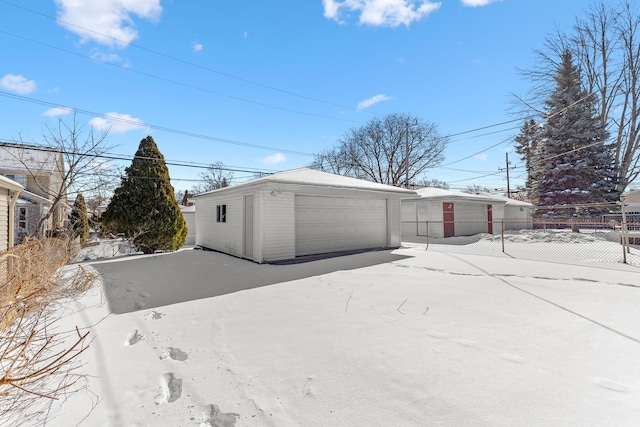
[{"x": 411, "y": 337}]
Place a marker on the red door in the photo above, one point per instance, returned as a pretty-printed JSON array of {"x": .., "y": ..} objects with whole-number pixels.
[
  {"x": 448, "y": 219},
  {"x": 490, "y": 219}
]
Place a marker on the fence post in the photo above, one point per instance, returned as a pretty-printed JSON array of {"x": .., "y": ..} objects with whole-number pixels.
[
  {"x": 502, "y": 234},
  {"x": 625, "y": 238},
  {"x": 426, "y": 224}
]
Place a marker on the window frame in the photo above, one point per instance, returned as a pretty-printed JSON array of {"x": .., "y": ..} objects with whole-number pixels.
[{"x": 221, "y": 213}]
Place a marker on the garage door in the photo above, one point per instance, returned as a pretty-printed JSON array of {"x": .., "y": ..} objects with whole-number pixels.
[{"x": 329, "y": 224}]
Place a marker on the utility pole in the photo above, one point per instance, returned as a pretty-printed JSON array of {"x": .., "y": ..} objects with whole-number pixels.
[
  {"x": 507, "y": 169},
  {"x": 508, "y": 186}
]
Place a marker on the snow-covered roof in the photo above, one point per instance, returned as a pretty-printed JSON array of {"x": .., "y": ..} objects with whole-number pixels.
[
  {"x": 306, "y": 176},
  {"x": 24, "y": 157},
  {"x": 186, "y": 209},
  {"x": 442, "y": 194},
  {"x": 10, "y": 184},
  {"x": 509, "y": 201},
  {"x": 33, "y": 198}
]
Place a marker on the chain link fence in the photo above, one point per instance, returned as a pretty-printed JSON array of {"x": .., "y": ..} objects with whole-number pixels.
[{"x": 602, "y": 242}]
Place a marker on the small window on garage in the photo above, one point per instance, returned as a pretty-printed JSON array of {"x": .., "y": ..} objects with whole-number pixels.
[{"x": 221, "y": 213}]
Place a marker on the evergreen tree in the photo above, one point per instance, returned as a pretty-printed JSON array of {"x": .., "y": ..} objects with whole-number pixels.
[
  {"x": 144, "y": 207},
  {"x": 527, "y": 146},
  {"x": 573, "y": 166},
  {"x": 79, "y": 219}
]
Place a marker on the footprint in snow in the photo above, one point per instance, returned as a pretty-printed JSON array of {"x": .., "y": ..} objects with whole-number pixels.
[
  {"x": 153, "y": 315},
  {"x": 212, "y": 417},
  {"x": 134, "y": 337},
  {"x": 170, "y": 388},
  {"x": 174, "y": 354}
]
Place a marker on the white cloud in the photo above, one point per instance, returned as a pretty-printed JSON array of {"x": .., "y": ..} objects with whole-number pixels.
[
  {"x": 274, "y": 159},
  {"x": 116, "y": 123},
  {"x": 197, "y": 47},
  {"x": 382, "y": 13},
  {"x": 18, "y": 84},
  {"x": 481, "y": 157},
  {"x": 108, "y": 22},
  {"x": 57, "y": 112},
  {"x": 108, "y": 57},
  {"x": 371, "y": 101},
  {"x": 476, "y": 3}
]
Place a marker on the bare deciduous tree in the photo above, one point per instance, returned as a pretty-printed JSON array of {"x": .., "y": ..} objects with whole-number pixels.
[
  {"x": 216, "y": 176},
  {"x": 381, "y": 150},
  {"x": 83, "y": 169},
  {"x": 433, "y": 182},
  {"x": 605, "y": 44}
]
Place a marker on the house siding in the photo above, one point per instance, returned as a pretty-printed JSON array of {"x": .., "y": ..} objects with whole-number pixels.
[{"x": 4, "y": 220}]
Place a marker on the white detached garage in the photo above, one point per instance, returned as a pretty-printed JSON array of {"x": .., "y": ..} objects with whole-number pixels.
[{"x": 299, "y": 212}]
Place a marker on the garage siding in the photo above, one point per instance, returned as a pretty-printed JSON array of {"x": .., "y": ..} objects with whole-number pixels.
[
  {"x": 279, "y": 232},
  {"x": 190, "y": 220},
  {"x": 329, "y": 224},
  {"x": 394, "y": 239},
  {"x": 471, "y": 218},
  {"x": 409, "y": 216},
  {"x": 221, "y": 236}
]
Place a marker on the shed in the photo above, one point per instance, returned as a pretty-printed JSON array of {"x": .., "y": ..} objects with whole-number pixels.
[
  {"x": 9, "y": 191},
  {"x": 436, "y": 212},
  {"x": 189, "y": 214},
  {"x": 299, "y": 212},
  {"x": 518, "y": 215}
]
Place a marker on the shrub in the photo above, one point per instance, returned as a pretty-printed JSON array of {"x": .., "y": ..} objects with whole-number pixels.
[{"x": 37, "y": 363}]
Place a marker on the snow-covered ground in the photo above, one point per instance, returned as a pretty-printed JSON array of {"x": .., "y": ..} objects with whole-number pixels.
[{"x": 448, "y": 336}]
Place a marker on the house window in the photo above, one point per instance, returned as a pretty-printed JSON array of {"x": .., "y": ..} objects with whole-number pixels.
[
  {"x": 22, "y": 220},
  {"x": 20, "y": 179},
  {"x": 221, "y": 213}
]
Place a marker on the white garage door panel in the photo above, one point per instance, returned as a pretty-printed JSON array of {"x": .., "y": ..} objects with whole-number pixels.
[{"x": 329, "y": 224}]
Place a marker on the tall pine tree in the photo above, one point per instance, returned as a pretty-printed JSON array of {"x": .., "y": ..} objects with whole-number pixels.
[
  {"x": 573, "y": 166},
  {"x": 527, "y": 147},
  {"x": 79, "y": 219},
  {"x": 144, "y": 207}
]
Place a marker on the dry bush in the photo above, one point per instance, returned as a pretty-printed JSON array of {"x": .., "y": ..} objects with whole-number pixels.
[{"x": 37, "y": 362}]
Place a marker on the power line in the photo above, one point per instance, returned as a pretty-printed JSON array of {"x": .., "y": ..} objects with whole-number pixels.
[
  {"x": 173, "y": 58},
  {"x": 151, "y": 126},
  {"x": 126, "y": 157},
  {"x": 175, "y": 82}
]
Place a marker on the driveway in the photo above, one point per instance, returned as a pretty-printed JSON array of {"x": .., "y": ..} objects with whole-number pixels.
[{"x": 142, "y": 282}]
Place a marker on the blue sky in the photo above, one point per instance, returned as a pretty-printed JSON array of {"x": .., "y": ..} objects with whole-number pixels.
[{"x": 260, "y": 85}]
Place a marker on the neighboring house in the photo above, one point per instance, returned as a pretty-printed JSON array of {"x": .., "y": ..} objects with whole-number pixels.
[
  {"x": 40, "y": 171},
  {"x": 436, "y": 212},
  {"x": 9, "y": 192},
  {"x": 299, "y": 212},
  {"x": 189, "y": 214},
  {"x": 632, "y": 202}
]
